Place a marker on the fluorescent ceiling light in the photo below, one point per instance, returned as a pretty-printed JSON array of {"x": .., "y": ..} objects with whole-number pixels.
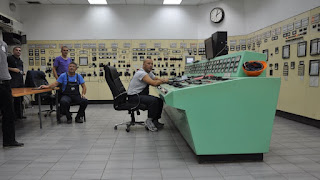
[
  {"x": 172, "y": 1},
  {"x": 97, "y": 1}
]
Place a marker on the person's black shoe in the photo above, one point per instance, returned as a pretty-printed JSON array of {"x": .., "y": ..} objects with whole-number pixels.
[
  {"x": 13, "y": 144},
  {"x": 69, "y": 121},
  {"x": 69, "y": 118},
  {"x": 78, "y": 119},
  {"x": 158, "y": 124},
  {"x": 23, "y": 117}
]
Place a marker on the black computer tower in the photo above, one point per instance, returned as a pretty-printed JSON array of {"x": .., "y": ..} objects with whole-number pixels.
[{"x": 220, "y": 39}]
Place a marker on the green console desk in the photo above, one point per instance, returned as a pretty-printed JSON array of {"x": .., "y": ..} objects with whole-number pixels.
[{"x": 228, "y": 117}]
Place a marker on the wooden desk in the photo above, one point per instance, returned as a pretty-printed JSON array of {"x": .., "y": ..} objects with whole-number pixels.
[{"x": 18, "y": 92}]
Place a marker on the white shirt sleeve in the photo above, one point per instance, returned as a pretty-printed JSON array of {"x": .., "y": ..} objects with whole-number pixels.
[{"x": 141, "y": 75}]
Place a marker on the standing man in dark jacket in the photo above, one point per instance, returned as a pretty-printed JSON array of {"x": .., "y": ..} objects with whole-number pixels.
[
  {"x": 6, "y": 105},
  {"x": 15, "y": 66}
]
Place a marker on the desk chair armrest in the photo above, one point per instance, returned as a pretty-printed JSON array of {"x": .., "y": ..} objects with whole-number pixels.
[
  {"x": 123, "y": 96},
  {"x": 120, "y": 100},
  {"x": 120, "y": 95},
  {"x": 135, "y": 107}
]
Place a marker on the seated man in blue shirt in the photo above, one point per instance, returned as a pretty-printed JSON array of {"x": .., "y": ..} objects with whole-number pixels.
[{"x": 70, "y": 92}]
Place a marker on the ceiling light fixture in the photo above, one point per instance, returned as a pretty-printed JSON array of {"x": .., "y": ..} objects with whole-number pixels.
[
  {"x": 97, "y": 1},
  {"x": 172, "y": 1}
]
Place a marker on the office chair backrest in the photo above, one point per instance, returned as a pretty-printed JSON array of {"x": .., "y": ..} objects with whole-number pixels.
[
  {"x": 115, "y": 84},
  {"x": 35, "y": 79}
]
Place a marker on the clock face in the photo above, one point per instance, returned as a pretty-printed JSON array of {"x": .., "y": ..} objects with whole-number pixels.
[{"x": 217, "y": 15}]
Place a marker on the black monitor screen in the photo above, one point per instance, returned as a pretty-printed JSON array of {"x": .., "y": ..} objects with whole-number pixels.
[
  {"x": 209, "y": 48},
  {"x": 216, "y": 45}
]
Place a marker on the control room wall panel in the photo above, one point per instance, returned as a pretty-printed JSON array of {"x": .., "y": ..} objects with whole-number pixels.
[
  {"x": 259, "y": 13},
  {"x": 299, "y": 92},
  {"x": 169, "y": 58}
]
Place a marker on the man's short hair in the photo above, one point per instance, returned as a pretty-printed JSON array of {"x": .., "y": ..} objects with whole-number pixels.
[
  {"x": 144, "y": 61},
  {"x": 63, "y": 47},
  {"x": 16, "y": 47},
  {"x": 73, "y": 63}
]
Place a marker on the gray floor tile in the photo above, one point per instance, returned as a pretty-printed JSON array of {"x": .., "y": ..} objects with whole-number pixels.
[
  {"x": 299, "y": 176},
  {"x": 231, "y": 169},
  {"x": 178, "y": 172},
  {"x": 209, "y": 178},
  {"x": 269, "y": 177},
  {"x": 90, "y": 165},
  {"x": 145, "y": 163},
  {"x": 176, "y": 178},
  {"x": 94, "y": 150},
  {"x": 117, "y": 174},
  {"x": 171, "y": 163},
  {"x": 5, "y": 175},
  {"x": 66, "y": 166},
  {"x": 122, "y": 156},
  {"x": 61, "y": 175},
  {"x": 242, "y": 177},
  {"x": 286, "y": 168},
  {"x": 202, "y": 171},
  {"x": 87, "y": 174},
  {"x": 145, "y": 155},
  {"x": 146, "y": 174},
  {"x": 121, "y": 164}
]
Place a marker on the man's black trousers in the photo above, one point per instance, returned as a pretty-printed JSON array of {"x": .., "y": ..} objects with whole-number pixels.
[
  {"x": 66, "y": 100},
  {"x": 153, "y": 103},
  {"x": 8, "y": 115}
]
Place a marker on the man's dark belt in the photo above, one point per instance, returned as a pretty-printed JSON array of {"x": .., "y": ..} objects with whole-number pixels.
[{"x": 4, "y": 81}]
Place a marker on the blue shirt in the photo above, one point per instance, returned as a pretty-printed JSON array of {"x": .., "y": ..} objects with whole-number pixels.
[
  {"x": 61, "y": 65},
  {"x": 63, "y": 80}
]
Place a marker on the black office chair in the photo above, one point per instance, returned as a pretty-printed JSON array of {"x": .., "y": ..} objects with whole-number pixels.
[
  {"x": 120, "y": 98},
  {"x": 35, "y": 79}
]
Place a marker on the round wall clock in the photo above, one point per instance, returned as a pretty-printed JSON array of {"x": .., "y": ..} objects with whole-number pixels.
[{"x": 217, "y": 15}]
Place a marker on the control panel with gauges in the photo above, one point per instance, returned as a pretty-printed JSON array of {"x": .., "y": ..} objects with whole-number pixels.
[
  {"x": 210, "y": 105},
  {"x": 169, "y": 59}
]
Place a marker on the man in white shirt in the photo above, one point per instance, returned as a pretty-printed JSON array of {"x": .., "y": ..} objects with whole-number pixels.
[{"x": 140, "y": 85}]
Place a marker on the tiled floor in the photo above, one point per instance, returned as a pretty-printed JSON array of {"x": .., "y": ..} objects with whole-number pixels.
[{"x": 94, "y": 150}]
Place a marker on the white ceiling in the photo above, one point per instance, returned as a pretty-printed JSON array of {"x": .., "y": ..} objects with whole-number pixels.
[{"x": 117, "y": 2}]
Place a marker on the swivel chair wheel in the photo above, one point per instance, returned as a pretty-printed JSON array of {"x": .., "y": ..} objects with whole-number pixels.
[
  {"x": 45, "y": 115},
  {"x": 115, "y": 128},
  {"x": 146, "y": 128}
]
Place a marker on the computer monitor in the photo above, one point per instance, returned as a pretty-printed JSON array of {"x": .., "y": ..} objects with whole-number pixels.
[
  {"x": 209, "y": 48},
  {"x": 189, "y": 59},
  {"x": 220, "y": 39},
  {"x": 216, "y": 45}
]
